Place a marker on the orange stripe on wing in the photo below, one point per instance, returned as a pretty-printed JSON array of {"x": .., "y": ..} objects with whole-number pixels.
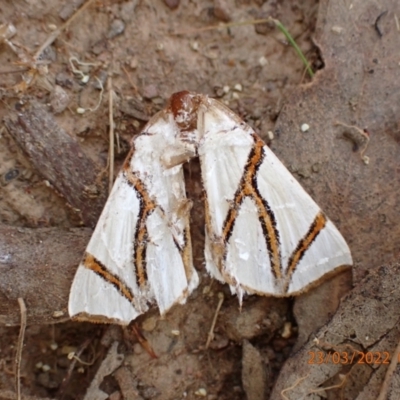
[
  {"x": 304, "y": 244},
  {"x": 141, "y": 238},
  {"x": 147, "y": 206},
  {"x": 92, "y": 263},
  {"x": 248, "y": 188}
]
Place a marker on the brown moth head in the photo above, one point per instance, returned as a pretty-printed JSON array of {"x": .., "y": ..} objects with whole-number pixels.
[{"x": 184, "y": 106}]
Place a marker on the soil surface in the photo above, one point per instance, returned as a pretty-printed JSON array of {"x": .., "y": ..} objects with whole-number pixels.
[{"x": 65, "y": 65}]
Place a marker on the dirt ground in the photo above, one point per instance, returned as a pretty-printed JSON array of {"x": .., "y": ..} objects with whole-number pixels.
[{"x": 138, "y": 53}]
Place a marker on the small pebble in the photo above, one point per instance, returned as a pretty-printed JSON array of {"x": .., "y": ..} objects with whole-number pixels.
[
  {"x": 201, "y": 392},
  {"x": 10, "y": 175},
  {"x": 149, "y": 323},
  {"x": 218, "y": 91},
  {"x": 134, "y": 63},
  {"x": 150, "y": 91},
  {"x": 69, "y": 8},
  {"x": 46, "y": 368},
  {"x": 337, "y": 29},
  {"x": 64, "y": 79},
  {"x": 238, "y": 87},
  {"x": 287, "y": 330},
  {"x": 172, "y": 4},
  {"x": 305, "y": 127},
  {"x": 45, "y": 380},
  {"x": 117, "y": 28},
  {"x": 263, "y": 61},
  {"x": 194, "y": 46},
  {"x": 54, "y": 346},
  {"x": 58, "y": 314},
  {"x": 59, "y": 99},
  {"x": 221, "y": 11},
  {"x": 263, "y": 29},
  {"x": 66, "y": 350}
]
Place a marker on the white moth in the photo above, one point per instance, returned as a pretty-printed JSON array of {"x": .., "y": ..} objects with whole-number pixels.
[{"x": 264, "y": 233}]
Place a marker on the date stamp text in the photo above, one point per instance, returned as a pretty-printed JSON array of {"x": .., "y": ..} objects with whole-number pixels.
[{"x": 349, "y": 357}]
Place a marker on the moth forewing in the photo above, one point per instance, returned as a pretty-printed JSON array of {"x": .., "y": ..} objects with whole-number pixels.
[
  {"x": 163, "y": 254},
  {"x": 309, "y": 272},
  {"x": 140, "y": 250},
  {"x": 105, "y": 285},
  {"x": 276, "y": 239}
]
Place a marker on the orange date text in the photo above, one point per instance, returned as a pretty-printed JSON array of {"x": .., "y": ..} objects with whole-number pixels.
[{"x": 349, "y": 357}]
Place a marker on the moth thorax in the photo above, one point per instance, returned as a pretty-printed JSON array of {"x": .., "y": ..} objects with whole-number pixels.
[{"x": 184, "y": 106}]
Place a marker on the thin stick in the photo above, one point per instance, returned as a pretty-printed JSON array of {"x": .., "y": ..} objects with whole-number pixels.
[
  {"x": 337, "y": 386},
  {"x": 143, "y": 341},
  {"x": 60, "y": 393},
  {"x": 293, "y": 386},
  {"x": 211, "y": 333},
  {"x": 111, "y": 134},
  {"x": 130, "y": 80},
  {"x": 19, "y": 348},
  {"x": 100, "y": 96},
  {"x": 53, "y": 36},
  {"x": 388, "y": 376},
  {"x": 13, "y": 71}
]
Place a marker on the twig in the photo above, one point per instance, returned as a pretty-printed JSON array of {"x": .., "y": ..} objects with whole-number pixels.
[
  {"x": 134, "y": 87},
  {"x": 37, "y": 132},
  {"x": 53, "y": 36},
  {"x": 111, "y": 134},
  {"x": 66, "y": 379},
  {"x": 388, "y": 376},
  {"x": 311, "y": 391},
  {"x": 19, "y": 348},
  {"x": 143, "y": 341},
  {"x": 211, "y": 332},
  {"x": 10, "y": 395},
  {"x": 84, "y": 78},
  {"x": 81, "y": 110},
  {"x": 293, "y": 386},
  {"x": 14, "y": 71},
  {"x": 72, "y": 355},
  {"x": 337, "y": 386}
]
